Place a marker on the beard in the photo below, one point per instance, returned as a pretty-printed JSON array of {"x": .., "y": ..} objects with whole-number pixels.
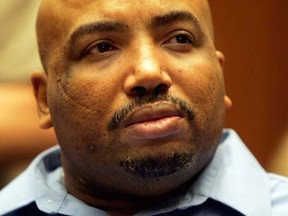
[{"x": 155, "y": 166}]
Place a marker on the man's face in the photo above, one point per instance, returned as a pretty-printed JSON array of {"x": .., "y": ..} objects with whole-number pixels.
[{"x": 135, "y": 91}]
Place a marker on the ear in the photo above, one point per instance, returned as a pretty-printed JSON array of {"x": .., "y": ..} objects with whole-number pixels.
[
  {"x": 39, "y": 82},
  {"x": 221, "y": 59},
  {"x": 227, "y": 102}
]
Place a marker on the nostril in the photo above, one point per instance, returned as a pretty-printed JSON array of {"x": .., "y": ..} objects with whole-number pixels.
[
  {"x": 161, "y": 88},
  {"x": 139, "y": 91}
]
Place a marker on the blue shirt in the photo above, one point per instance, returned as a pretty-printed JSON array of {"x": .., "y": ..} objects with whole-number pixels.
[{"x": 233, "y": 183}]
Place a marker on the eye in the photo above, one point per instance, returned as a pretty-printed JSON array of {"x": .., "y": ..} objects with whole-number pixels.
[
  {"x": 182, "y": 39},
  {"x": 180, "y": 42},
  {"x": 99, "y": 48},
  {"x": 102, "y": 47}
]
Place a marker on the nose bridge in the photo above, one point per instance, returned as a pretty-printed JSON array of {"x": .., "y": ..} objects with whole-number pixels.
[
  {"x": 148, "y": 74},
  {"x": 147, "y": 59}
]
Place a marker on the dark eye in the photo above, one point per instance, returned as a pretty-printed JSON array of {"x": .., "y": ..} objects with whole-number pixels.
[
  {"x": 182, "y": 38},
  {"x": 103, "y": 47},
  {"x": 99, "y": 48},
  {"x": 181, "y": 42}
]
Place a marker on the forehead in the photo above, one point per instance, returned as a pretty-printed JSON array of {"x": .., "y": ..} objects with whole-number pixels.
[
  {"x": 85, "y": 10},
  {"x": 124, "y": 4}
]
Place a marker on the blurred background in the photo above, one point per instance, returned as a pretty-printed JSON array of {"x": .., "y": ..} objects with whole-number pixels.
[
  {"x": 20, "y": 137},
  {"x": 253, "y": 35}
]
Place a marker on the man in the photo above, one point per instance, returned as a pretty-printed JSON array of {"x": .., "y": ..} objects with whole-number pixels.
[{"x": 135, "y": 92}]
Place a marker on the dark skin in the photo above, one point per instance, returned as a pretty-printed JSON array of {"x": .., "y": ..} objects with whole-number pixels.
[{"x": 136, "y": 97}]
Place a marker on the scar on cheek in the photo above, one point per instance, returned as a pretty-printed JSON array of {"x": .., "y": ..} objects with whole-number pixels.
[{"x": 63, "y": 93}]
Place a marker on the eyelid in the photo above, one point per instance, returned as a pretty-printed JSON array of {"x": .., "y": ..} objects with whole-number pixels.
[
  {"x": 177, "y": 47},
  {"x": 94, "y": 45},
  {"x": 176, "y": 33}
]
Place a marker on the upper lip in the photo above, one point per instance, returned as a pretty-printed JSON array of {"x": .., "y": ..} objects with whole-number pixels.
[{"x": 151, "y": 112}]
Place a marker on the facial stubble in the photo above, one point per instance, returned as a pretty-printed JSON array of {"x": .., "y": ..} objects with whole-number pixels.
[{"x": 155, "y": 166}]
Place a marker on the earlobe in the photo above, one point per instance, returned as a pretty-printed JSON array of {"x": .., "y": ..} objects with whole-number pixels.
[
  {"x": 227, "y": 102},
  {"x": 39, "y": 82},
  {"x": 221, "y": 58}
]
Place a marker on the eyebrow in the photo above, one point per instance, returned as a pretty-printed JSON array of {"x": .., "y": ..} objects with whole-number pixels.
[
  {"x": 100, "y": 26},
  {"x": 176, "y": 16},
  {"x": 115, "y": 26}
]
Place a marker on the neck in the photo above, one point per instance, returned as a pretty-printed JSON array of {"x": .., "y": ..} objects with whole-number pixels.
[{"x": 121, "y": 204}]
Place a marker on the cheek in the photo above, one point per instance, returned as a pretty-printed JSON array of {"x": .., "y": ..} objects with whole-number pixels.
[
  {"x": 202, "y": 85},
  {"x": 201, "y": 82},
  {"x": 81, "y": 110},
  {"x": 88, "y": 93}
]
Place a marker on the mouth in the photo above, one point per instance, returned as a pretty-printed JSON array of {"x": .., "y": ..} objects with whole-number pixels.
[{"x": 153, "y": 121}]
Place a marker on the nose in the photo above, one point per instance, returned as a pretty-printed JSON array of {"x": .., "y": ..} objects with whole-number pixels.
[{"x": 147, "y": 74}]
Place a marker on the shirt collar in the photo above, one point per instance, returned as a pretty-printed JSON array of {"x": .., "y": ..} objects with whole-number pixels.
[
  {"x": 51, "y": 194},
  {"x": 235, "y": 178}
]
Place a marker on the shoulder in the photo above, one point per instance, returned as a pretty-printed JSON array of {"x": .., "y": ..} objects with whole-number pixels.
[
  {"x": 279, "y": 194},
  {"x": 30, "y": 209},
  {"x": 28, "y": 186},
  {"x": 18, "y": 193}
]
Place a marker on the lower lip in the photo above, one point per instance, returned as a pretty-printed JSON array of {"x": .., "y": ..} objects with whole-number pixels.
[{"x": 155, "y": 129}]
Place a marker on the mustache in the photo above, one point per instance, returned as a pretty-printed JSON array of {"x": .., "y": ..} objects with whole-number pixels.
[{"x": 122, "y": 113}]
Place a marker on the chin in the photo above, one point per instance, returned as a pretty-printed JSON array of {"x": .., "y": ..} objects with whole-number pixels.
[{"x": 156, "y": 166}]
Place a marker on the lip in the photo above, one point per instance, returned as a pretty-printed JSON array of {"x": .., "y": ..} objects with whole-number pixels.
[{"x": 153, "y": 121}]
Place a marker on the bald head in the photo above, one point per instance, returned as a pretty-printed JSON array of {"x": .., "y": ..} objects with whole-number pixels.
[
  {"x": 51, "y": 28},
  {"x": 57, "y": 18}
]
